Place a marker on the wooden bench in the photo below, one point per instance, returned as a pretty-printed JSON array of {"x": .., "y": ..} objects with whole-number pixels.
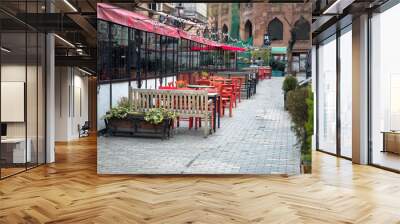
[{"x": 186, "y": 103}]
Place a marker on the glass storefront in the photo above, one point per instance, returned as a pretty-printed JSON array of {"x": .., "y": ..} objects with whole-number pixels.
[
  {"x": 22, "y": 77},
  {"x": 346, "y": 92},
  {"x": 334, "y": 102},
  {"x": 327, "y": 95},
  {"x": 142, "y": 59},
  {"x": 334, "y": 98},
  {"x": 385, "y": 89}
]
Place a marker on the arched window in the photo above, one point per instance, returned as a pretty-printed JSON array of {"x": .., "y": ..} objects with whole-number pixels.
[
  {"x": 206, "y": 33},
  {"x": 248, "y": 30},
  {"x": 275, "y": 29},
  {"x": 302, "y": 29},
  {"x": 225, "y": 31}
]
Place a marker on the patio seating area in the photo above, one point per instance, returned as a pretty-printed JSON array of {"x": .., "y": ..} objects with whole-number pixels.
[
  {"x": 166, "y": 83},
  {"x": 257, "y": 139}
]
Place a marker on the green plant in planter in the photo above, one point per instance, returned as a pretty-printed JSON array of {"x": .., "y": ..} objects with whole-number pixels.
[
  {"x": 181, "y": 84},
  {"x": 290, "y": 83},
  {"x": 204, "y": 75},
  {"x": 124, "y": 102},
  {"x": 157, "y": 115},
  {"x": 309, "y": 128},
  {"x": 122, "y": 111},
  {"x": 277, "y": 65},
  {"x": 300, "y": 106},
  {"x": 154, "y": 116},
  {"x": 117, "y": 113}
]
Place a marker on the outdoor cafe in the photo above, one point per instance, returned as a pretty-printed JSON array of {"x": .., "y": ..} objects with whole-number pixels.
[{"x": 152, "y": 77}]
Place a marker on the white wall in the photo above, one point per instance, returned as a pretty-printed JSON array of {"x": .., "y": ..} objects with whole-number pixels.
[
  {"x": 103, "y": 104},
  {"x": 71, "y": 102}
]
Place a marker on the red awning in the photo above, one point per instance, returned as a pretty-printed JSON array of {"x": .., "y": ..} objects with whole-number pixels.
[
  {"x": 205, "y": 48},
  {"x": 141, "y": 22},
  {"x": 135, "y": 20},
  {"x": 188, "y": 36},
  {"x": 232, "y": 48}
]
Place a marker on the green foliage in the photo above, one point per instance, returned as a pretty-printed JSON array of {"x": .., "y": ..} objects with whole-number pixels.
[
  {"x": 181, "y": 84},
  {"x": 154, "y": 116},
  {"x": 157, "y": 115},
  {"x": 204, "y": 75},
  {"x": 290, "y": 83},
  {"x": 264, "y": 54},
  {"x": 300, "y": 107},
  {"x": 122, "y": 110},
  {"x": 119, "y": 112},
  {"x": 235, "y": 20},
  {"x": 124, "y": 102},
  {"x": 309, "y": 126},
  {"x": 277, "y": 65}
]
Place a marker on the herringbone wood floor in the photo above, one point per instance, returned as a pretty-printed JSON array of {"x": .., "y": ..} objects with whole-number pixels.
[{"x": 70, "y": 191}]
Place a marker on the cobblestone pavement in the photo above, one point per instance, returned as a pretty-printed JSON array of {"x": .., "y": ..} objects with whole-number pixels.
[{"x": 256, "y": 140}]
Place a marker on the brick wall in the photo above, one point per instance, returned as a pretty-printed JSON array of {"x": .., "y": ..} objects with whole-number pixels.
[{"x": 260, "y": 14}]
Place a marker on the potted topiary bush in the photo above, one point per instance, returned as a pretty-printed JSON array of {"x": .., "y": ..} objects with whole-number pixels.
[
  {"x": 300, "y": 107},
  {"x": 181, "y": 84},
  {"x": 290, "y": 83}
]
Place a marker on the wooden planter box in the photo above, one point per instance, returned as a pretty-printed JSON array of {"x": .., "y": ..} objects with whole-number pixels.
[{"x": 137, "y": 126}]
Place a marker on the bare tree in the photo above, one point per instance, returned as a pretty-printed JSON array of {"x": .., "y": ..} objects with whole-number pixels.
[{"x": 291, "y": 43}]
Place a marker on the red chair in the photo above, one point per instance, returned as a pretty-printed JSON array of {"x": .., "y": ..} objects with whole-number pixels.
[
  {"x": 197, "y": 121},
  {"x": 167, "y": 87},
  {"x": 227, "y": 96},
  {"x": 238, "y": 88}
]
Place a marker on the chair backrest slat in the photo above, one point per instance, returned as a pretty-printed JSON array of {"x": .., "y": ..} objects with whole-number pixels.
[{"x": 186, "y": 102}]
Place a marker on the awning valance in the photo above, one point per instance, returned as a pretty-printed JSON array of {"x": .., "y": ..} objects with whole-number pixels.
[
  {"x": 205, "y": 48},
  {"x": 232, "y": 48}
]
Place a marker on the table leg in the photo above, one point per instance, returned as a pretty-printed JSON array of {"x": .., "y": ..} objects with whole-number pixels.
[
  {"x": 255, "y": 87},
  {"x": 215, "y": 113},
  {"x": 248, "y": 88},
  {"x": 219, "y": 110}
]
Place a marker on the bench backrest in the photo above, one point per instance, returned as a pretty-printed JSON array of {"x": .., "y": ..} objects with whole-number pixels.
[{"x": 184, "y": 102}]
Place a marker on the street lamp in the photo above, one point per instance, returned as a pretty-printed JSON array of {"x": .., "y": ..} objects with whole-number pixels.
[
  {"x": 180, "y": 11},
  {"x": 267, "y": 40}
]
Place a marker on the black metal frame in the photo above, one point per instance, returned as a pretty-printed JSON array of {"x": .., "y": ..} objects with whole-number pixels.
[
  {"x": 180, "y": 47},
  {"x": 336, "y": 30},
  {"x": 44, "y": 80}
]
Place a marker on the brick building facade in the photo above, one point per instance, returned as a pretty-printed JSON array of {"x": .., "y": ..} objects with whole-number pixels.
[{"x": 256, "y": 18}]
